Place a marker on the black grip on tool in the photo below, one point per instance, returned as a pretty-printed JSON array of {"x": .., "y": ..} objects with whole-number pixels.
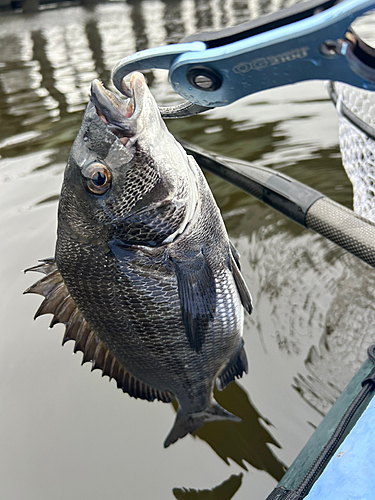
[
  {"x": 299, "y": 202},
  {"x": 288, "y": 196},
  {"x": 261, "y": 24},
  {"x": 343, "y": 227}
]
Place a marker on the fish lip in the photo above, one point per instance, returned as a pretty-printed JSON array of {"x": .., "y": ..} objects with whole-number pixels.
[{"x": 119, "y": 115}]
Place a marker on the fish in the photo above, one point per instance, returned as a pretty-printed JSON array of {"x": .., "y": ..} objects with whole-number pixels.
[{"x": 144, "y": 277}]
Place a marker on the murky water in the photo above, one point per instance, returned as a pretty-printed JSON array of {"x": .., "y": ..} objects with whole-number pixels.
[{"x": 68, "y": 433}]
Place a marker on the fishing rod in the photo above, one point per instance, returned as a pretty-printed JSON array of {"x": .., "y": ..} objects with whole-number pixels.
[{"x": 298, "y": 202}]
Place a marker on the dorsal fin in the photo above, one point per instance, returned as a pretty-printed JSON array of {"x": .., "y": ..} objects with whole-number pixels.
[
  {"x": 243, "y": 291},
  {"x": 57, "y": 301},
  {"x": 235, "y": 254}
]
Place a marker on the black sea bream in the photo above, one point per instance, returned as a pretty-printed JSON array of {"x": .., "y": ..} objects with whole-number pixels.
[{"x": 144, "y": 276}]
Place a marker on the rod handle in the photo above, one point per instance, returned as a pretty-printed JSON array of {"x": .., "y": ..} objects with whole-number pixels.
[{"x": 345, "y": 228}]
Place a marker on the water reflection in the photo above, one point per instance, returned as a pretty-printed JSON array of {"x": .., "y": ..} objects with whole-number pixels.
[
  {"x": 246, "y": 441},
  {"x": 47, "y": 72},
  {"x": 263, "y": 140},
  {"x": 240, "y": 11},
  {"x": 174, "y": 24},
  {"x": 138, "y": 25},
  {"x": 348, "y": 332},
  {"x": 225, "y": 491},
  {"x": 62, "y": 69},
  {"x": 95, "y": 43}
]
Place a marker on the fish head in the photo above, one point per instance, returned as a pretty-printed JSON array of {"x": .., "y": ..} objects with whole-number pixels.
[{"x": 123, "y": 160}]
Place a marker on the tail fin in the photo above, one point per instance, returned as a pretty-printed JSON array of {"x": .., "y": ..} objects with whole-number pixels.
[{"x": 186, "y": 423}]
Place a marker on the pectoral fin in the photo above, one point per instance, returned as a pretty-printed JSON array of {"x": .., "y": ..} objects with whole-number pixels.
[
  {"x": 197, "y": 292},
  {"x": 59, "y": 302}
]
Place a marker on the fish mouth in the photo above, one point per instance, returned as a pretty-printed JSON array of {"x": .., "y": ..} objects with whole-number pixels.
[{"x": 120, "y": 115}]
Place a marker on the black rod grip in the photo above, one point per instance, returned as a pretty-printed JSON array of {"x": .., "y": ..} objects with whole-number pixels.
[
  {"x": 345, "y": 228},
  {"x": 297, "y": 201},
  {"x": 288, "y": 196}
]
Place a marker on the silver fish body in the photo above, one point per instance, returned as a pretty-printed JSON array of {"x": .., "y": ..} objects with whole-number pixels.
[{"x": 145, "y": 263}]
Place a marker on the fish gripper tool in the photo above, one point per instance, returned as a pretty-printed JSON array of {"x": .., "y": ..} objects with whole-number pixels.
[{"x": 312, "y": 40}]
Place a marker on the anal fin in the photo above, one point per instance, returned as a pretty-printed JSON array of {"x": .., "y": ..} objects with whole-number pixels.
[
  {"x": 235, "y": 369},
  {"x": 57, "y": 301}
]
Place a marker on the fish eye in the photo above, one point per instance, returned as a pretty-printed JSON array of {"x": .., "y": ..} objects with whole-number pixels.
[{"x": 98, "y": 178}]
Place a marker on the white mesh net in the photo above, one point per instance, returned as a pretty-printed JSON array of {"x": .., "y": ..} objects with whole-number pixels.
[{"x": 357, "y": 149}]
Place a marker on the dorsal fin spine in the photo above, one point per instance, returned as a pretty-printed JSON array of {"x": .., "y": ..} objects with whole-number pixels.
[
  {"x": 72, "y": 326},
  {"x": 82, "y": 337},
  {"x": 112, "y": 368},
  {"x": 48, "y": 304},
  {"x": 63, "y": 311},
  {"x": 98, "y": 357}
]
